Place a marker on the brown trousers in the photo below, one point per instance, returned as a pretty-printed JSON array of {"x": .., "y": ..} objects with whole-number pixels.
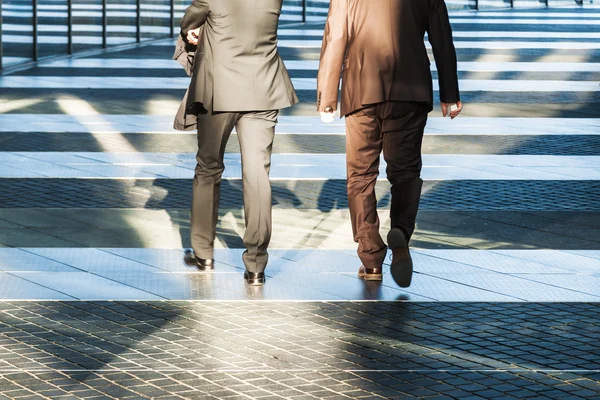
[{"x": 397, "y": 129}]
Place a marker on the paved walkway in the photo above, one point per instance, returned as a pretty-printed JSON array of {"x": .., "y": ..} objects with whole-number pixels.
[{"x": 94, "y": 212}]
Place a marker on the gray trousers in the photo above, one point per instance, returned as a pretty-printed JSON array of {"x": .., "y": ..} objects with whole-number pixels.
[{"x": 255, "y": 131}]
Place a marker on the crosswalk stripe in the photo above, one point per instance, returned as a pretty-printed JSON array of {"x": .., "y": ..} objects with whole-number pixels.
[
  {"x": 87, "y": 40},
  {"x": 92, "y": 82},
  {"x": 177, "y": 7},
  {"x": 62, "y": 29},
  {"x": 523, "y": 21},
  {"x": 92, "y": 13},
  {"x": 522, "y": 14},
  {"x": 490, "y": 45},
  {"x": 308, "y": 44},
  {"x": 308, "y": 33},
  {"x": 117, "y": 271},
  {"x": 317, "y": 33},
  {"x": 291, "y": 166},
  {"x": 313, "y": 65},
  {"x": 82, "y": 121},
  {"x": 491, "y": 85},
  {"x": 54, "y": 34}
]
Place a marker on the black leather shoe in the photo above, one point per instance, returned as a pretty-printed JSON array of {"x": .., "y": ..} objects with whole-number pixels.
[
  {"x": 402, "y": 265},
  {"x": 202, "y": 264},
  {"x": 255, "y": 278}
]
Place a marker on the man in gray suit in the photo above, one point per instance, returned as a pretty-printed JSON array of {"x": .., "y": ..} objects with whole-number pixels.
[{"x": 238, "y": 80}]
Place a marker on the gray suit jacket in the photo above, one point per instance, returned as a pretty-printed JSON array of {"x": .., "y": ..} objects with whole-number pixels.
[{"x": 237, "y": 66}]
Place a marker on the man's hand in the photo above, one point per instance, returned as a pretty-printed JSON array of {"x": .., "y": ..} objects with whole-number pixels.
[
  {"x": 446, "y": 108},
  {"x": 328, "y": 115},
  {"x": 192, "y": 36}
]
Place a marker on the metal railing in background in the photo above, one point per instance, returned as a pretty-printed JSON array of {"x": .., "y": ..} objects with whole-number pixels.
[
  {"x": 303, "y": 10},
  {"x": 30, "y": 30},
  {"x": 478, "y": 4},
  {"x": 35, "y": 29},
  {"x": 1, "y": 47},
  {"x": 67, "y": 27}
]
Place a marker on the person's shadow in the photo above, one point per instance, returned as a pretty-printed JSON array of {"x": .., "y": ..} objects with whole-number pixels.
[
  {"x": 334, "y": 196},
  {"x": 175, "y": 197}
]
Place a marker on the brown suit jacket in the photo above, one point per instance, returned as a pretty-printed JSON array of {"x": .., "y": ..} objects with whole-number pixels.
[{"x": 380, "y": 46}]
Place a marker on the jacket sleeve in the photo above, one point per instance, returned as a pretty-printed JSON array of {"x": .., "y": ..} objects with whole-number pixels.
[
  {"x": 440, "y": 37},
  {"x": 184, "y": 53},
  {"x": 195, "y": 16},
  {"x": 333, "y": 50}
]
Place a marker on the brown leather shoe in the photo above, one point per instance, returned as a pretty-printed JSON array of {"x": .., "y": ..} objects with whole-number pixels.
[{"x": 370, "y": 274}]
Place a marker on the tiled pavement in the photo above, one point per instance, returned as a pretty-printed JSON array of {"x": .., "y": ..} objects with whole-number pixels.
[
  {"x": 325, "y": 350},
  {"x": 94, "y": 199}
]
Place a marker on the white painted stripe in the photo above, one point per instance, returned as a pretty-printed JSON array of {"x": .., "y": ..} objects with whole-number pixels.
[
  {"x": 80, "y": 120},
  {"x": 315, "y": 33},
  {"x": 82, "y": 28},
  {"x": 291, "y": 166},
  {"x": 14, "y": 60},
  {"x": 87, "y": 14},
  {"x": 488, "y": 45},
  {"x": 521, "y": 261},
  {"x": 524, "y": 35},
  {"x": 308, "y": 65},
  {"x": 466, "y": 85},
  {"x": 62, "y": 7},
  {"x": 88, "y": 40},
  {"x": 310, "y": 10},
  {"x": 506, "y": 45},
  {"x": 472, "y": 34},
  {"x": 25, "y": 10},
  {"x": 527, "y": 67},
  {"x": 177, "y": 7},
  {"x": 525, "y": 21},
  {"x": 131, "y": 14},
  {"x": 509, "y": 262},
  {"x": 492, "y": 85},
  {"x": 522, "y": 14},
  {"x": 441, "y": 275},
  {"x": 301, "y": 44},
  {"x": 91, "y": 12}
]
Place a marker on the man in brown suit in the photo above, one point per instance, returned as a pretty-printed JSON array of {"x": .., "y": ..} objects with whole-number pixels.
[
  {"x": 238, "y": 80},
  {"x": 378, "y": 48}
]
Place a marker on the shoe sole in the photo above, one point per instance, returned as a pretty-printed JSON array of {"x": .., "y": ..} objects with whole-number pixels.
[
  {"x": 255, "y": 282},
  {"x": 402, "y": 265},
  {"x": 371, "y": 277}
]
